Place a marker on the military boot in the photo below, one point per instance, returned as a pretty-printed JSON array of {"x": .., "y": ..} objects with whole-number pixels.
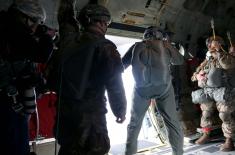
[
  {"x": 228, "y": 145},
  {"x": 203, "y": 139}
]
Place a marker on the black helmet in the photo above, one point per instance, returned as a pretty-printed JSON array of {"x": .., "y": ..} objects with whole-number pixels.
[
  {"x": 93, "y": 12},
  {"x": 152, "y": 33},
  {"x": 31, "y": 8}
]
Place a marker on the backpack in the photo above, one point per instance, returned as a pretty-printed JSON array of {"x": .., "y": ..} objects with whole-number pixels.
[
  {"x": 149, "y": 65},
  {"x": 215, "y": 77}
]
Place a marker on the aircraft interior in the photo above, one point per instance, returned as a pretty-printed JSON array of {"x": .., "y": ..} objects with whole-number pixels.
[{"x": 191, "y": 22}]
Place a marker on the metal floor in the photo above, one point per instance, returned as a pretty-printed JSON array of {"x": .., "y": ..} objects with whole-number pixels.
[
  {"x": 149, "y": 148},
  {"x": 207, "y": 149}
]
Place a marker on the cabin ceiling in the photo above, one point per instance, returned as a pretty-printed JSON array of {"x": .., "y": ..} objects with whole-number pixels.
[{"x": 189, "y": 19}]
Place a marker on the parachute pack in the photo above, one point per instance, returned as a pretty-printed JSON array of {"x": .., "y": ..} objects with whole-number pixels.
[{"x": 149, "y": 65}]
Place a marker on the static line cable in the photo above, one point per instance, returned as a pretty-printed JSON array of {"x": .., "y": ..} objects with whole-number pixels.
[
  {"x": 229, "y": 38},
  {"x": 58, "y": 109},
  {"x": 213, "y": 27}
]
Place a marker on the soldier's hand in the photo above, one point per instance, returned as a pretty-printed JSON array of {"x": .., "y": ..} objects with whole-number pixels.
[{"x": 120, "y": 119}]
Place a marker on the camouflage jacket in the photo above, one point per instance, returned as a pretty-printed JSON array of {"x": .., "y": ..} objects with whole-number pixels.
[
  {"x": 104, "y": 74},
  {"x": 225, "y": 62}
]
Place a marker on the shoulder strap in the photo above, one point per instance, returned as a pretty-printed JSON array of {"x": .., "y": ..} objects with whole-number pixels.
[{"x": 133, "y": 52}]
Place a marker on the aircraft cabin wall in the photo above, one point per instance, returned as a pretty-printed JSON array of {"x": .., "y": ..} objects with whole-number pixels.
[{"x": 189, "y": 19}]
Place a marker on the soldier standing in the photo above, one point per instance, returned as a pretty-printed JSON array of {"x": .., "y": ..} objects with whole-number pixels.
[
  {"x": 22, "y": 42},
  {"x": 89, "y": 65},
  {"x": 150, "y": 60},
  {"x": 211, "y": 76}
]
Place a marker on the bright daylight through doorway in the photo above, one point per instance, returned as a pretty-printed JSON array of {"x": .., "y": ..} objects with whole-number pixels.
[{"x": 118, "y": 132}]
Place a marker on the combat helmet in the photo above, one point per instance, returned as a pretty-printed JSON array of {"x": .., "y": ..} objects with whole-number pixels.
[
  {"x": 152, "y": 33},
  {"x": 216, "y": 38},
  {"x": 32, "y": 9},
  {"x": 92, "y": 13}
]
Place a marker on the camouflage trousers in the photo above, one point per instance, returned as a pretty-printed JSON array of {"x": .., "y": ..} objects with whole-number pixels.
[
  {"x": 226, "y": 113},
  {"x": 89, "y": 138}
]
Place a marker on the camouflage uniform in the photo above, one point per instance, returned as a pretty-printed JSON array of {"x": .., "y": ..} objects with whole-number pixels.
[
  {"x": 226, "y": 107},
  {"x": 209, "y": 116},
  {"x": 81, "y": 125}
]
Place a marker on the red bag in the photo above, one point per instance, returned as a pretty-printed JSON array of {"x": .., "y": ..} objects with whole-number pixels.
[{"x": 46, "y": 115}]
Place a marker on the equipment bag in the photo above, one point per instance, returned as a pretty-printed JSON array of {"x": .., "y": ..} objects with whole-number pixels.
[
  {"x": 199, "y": 96},
  {"x": 222, "y": 95}
]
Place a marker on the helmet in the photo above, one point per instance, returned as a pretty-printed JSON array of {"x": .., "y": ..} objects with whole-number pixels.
[
  {"x": 31, "y": 8},
  {"x": 216, "y": 38},
  {"x": 152, "y": 33},
  {"x": 93, "y": 12}
]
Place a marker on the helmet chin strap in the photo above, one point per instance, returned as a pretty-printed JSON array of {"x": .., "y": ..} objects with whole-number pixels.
[
  {"x": 103, "y": 27},
  {"x": 99, "y": 27}
]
